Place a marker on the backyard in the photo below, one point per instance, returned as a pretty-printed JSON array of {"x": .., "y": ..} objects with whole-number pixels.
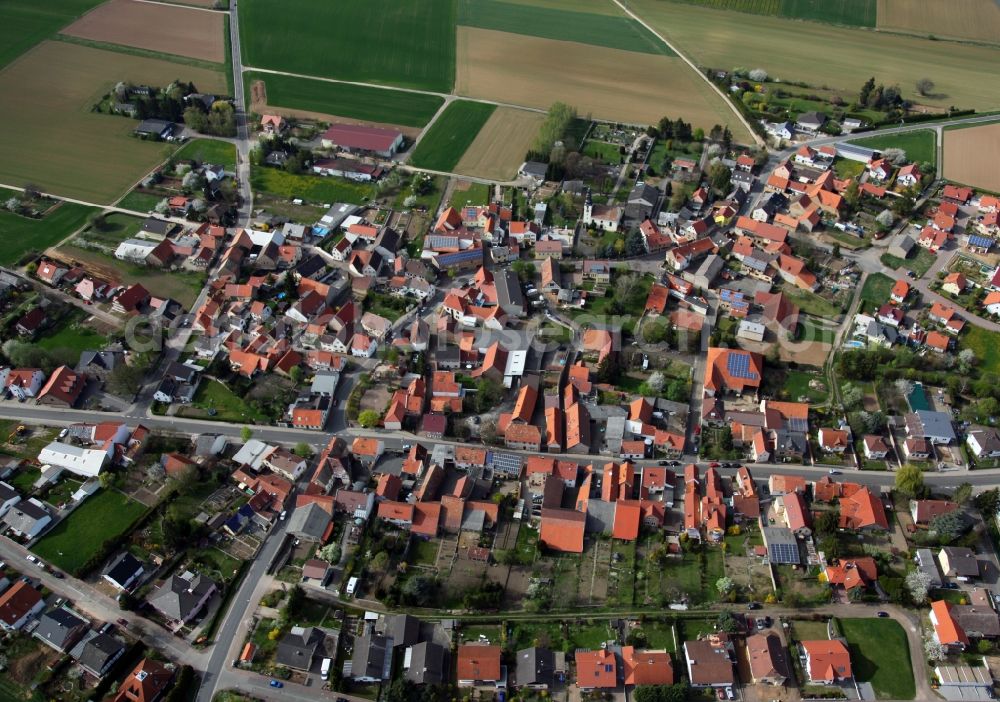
[
  {"x": 880, "y": 655},
  {"x": 76, "y": 539},
  {"x": 219, "y": 402}
]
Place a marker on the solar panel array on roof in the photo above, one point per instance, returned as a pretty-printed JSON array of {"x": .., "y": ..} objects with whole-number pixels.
[
  {"x": 728, "y": 295},
  {"x": 980, "y": 241},
  {"x": 468, "y": 255},
  {"x": 738, "y": 365},
  {"x": 436, "y": 241},
  {"x": 783, "y": 553},
  {"x": 508, "y": 463}
]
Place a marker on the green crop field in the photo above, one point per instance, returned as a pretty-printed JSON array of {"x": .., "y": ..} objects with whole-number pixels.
[
  {"x": 411, "y": 44},
  {"x": 21, "y": 234},
  {"x": 919, "y": 145},
  {"x": 450, "y": 135},
  {"x": 312, "y": 188},
  {"x": 74, "y": 540},
  {"x": 857, "y": 13},
  {"x": 345, "y": 100},
  {"x": 725, "y": 40},
  {"x": 565, "y": 25},
  {"x": 27, "y": 22}
]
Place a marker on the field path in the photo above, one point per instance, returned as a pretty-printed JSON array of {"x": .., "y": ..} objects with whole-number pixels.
[
  {"x": 693, "y": 67},
  {"x": 445, "y": 96},
  {"x": 181, "y": 4}
]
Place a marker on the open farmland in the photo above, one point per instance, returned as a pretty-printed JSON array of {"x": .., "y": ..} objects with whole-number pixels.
[
  {"x": 144, "y": 25},
  {"x": 443, "y": 144},
  {"x": 87, "y": 155},
  {"x": 27, "y": 22},
  {"x": 964, "y": 74},
  {"x": 858, "y": 13},
  {"x": 410, "y": 44},
  {"x": 323, "y": 99},
  {"x": 499, "y": 148},
  {"x": 600, "y": 7},
  {"x": 563, "y": 24},
  {"x": 21, "y": 234},
  {"x": 971, "y": 156},
  {"x": 919, "y": 145},
  {"x": 968, "y": 19},
  {"x": 621, "y": 86}
]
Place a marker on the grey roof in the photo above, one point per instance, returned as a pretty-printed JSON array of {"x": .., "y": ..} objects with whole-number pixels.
[
  {"x": 535, "y": 169},
  {"x": 371, "y": 657},
  {"x": 403, "y": 629},
  {"x": 988, "y": 438},
  {"x": 936, "y": 424},
  {"x": 154, "y": 225},
  {"x": 388, "y": 239},
  {"x": 644, "y": 194},
  {"x": 427, "y": 663},
  {"x": 509, "y": 294},
  {"x": 7, "y": 492},
  {"x": 25, "y": 515},
  {"x": 978, "y": 622},
  {"x": 811, "y": 118},
  {"x": 90, "y": 360},
  {"x": 123, "y": 568},
  {"x": 309, "y": 522},
  {"x": 179, "y": 595},
  {"x": 782, "y": 546},
  {"x": 325, "y": 382},
  {"x": 961, "y": 559},
  {"x": 298, "y": 647},
  {"x": 181, "y": 372},
  {"x": 310, "y": 266},
  {"x": 96, "y": 652},
  {"x": 535, "y": 666},
  {"x": 59, "y": 627}
]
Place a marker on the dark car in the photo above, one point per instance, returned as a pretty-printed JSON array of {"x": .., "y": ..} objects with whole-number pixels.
[
  {"x": 122, "y": 622},
  {"x": 675, "y": 463},
  {"x": 882, "y": 614},
  {"x": 663, "y": 463},
  {"x": 57, "y": 575},
  {"x": 754, "y": 605}
]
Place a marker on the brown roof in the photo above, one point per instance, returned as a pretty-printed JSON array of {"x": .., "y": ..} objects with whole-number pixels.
[
  {"x": 647, "y": 667},
  {"x": 563, "y": 529},
  {"x": 64, "y": 385},
  {"x": 18, "y": 601},
  {"x": 477, "y": 662},
  {"x": 145, "y": 683}
]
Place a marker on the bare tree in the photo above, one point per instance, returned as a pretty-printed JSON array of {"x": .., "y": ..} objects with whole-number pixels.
[{"x": 925, "y": 86}]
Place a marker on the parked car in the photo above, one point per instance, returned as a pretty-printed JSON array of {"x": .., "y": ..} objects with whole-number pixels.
[
  {"x": 276, "y": 683},
  {"x": 754, "y": 605},
  {"x": 882, "y": 614}
]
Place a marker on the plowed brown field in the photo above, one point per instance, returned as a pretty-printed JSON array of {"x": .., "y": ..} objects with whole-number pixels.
[
  {"x": 971, "y": 156},
  {"x": 500, "y": 146},
  {"x": 171, "y": 30}
]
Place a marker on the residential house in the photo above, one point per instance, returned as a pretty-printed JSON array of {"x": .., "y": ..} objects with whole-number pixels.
[
  {"x": 828, "y": 661},
  {"x": 182, "y": 596},
  {"x": 478, "y": 665},
  {"x": 147, "y": 682},
  {"x": 61, "y": 628},
  {"x": 710, "y": 662},
  {"x": 18, "y": 605},
  {"x": 596, "y": 670}
]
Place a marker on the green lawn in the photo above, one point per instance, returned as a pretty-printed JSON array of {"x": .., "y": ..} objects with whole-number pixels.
[
  {"x": 19, "y": 235},
  {"x": 138, "y": 201},
  {"x": 213, "y": 151},
  {"x": 614, "y": 32},
  {"x": 602, "y": 151},
  {"x": 350, "y": 101},
  {"x": 808, "y": 329},
  {"x": 846, "y": 168},
  {"x": 423, "y": 552},
  {"x": 919, "y": 263},
  {"x": 918, "y": 145},
  {"x": 804, "y": 630},
  {"x": 117, "y": 227},
  {"x": 74, "y": 540},
  {"x": 877, "y": 288},
  {"x": 73, "y": 334},
  {"x": 312, "y": 188},
  {"x": 589, "y": 635},
  {"x": 810, "y": 302},
  {"x": 475, "y": 194},
  {"x": 797, "y": 385},
  {"x": 27, "y": 22},
  {"x": 880, "y": 655},
  {"x": 410, "y": 44},
  {"x": 450, "y": 135},
  {"x": 228, "y": 407},
  {"x": 25, "y": 478},
  {"x": 986, "y": 344}
]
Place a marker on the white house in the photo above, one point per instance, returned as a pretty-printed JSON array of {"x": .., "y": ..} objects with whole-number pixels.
[
  {"x": 86, "y": 462},
  {"x": 135, "y": 250},
  {"x": 8, "y": 498},
  {"x": 22, "y": 383},
  {"x": 28, "y": 518},
  {"x": 253, "y": 454},
  {"x": 984, "y": 442}
]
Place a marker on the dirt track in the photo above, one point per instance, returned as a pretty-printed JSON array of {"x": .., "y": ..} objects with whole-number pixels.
[{"x": 170, "y": 30}]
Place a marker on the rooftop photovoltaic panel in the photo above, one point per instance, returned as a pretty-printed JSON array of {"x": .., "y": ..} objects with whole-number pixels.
[
  {"x": 507, "y": 463},
  {"x": 784, "y": 553},
  {"x": 738, "y": 365}
]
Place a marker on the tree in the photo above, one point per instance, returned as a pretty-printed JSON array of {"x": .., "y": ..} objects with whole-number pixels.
[
  {"x": 758, "y": 75},
  {"x": 884, "y": 219},
  {"x": 330, "y": 553},
  {"x": 949, "y": 526},
  {"x": 963, "y": 493},
  {"x": 852, "y": 195},
  {"x": 724, "y": 585},
  {"x": 866, "y": 91},
  {"x": 125, "y": 380},
  {"x": 910, "y": 481},
  {"x": 894, "y": 156},
  {"x": 295, "y": 602},
  {"x": 719, "y": 177},
  {"x": 246, "y": 433},
  {"x": 925, "y": 86},
  {"x": 851, "y": 396},
  {"x": 608, "y": 369},
  {"x": 380, "y": 561},
  {"x": 967, "y": 358},
  {"x": 295, "y": 374},
  {"x": 369, "y": 419},
  {"x": 489, "y": 394},
  {"x": 988, "y": 503},
  {"x": 904, "y": 204},
  {"x": 918, "y": 583},
  {"x": 826, "y": 522},
  {"x": 656, "y": 382},
  {"x": 488, "y": 432},
  {"x": 727, "y": 622},
  {"x": 904, "y": 387},
  {"x": 935, "y": 651},
  {"x": 303, "y": 449},
  {"x": 418, "y": 590}
]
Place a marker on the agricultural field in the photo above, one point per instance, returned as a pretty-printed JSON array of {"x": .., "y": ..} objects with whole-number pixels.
[
  {"x": 971, "y": 156},
  {"x": 327, "y": 101},
  {"x": 155, "y": 27},
  {"x": 415, "y": 40},
  {"x": 443, "y": 145},
  {"x": 562, "y": 24},
  {"x": 74, "y": 540},
  {"x": 18, "y": 234},
  {"x": 600, "y": 7},
  {"x": 963, "y": 74},
  {"x": 28, "y": 22},
  {"x": 857, "y": 13},
  {"x": 531, "y": 71},
  {"x": 49, "y": 116},
  {"x": 498, "y": 150},
  {"x": 920, "y": 146},
  {"x": 978, "y": 20}
]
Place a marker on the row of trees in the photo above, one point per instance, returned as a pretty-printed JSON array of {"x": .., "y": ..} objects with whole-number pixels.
[
  {"x": 553, "y": 129},
  {"x": 220, "y": 120}
]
